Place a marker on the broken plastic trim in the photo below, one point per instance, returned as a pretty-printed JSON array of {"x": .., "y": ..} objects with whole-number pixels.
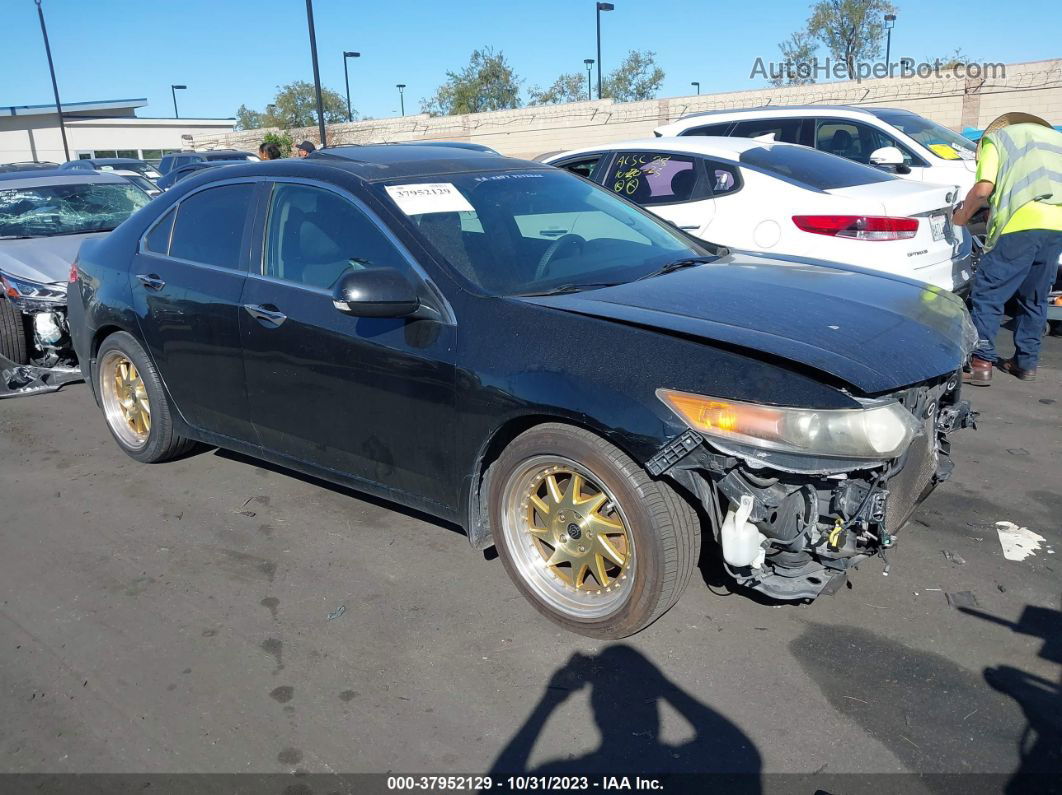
[{"x": 23, "y": 380}]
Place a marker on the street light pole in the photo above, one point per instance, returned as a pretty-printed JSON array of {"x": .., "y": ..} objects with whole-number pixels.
[
  {"x": 346, "y": 75},
  {"x": 890, "y": 23},
  {"x": 600, "y": 7},
  {"x": 401, "y": 97},
  {"x": 316, "y": 72},
  {"x": 55, "y": 85},
  {"x": 695, "y": 83},
  {"x": 173, "y": 91},
  {"x": 589, "y": 67}
]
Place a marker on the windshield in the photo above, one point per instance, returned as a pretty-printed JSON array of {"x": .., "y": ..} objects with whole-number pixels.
[
  {"x": 47, "y": 210},
  {"x": 529, "y": 232},
  {"x": 937, "y": 139}
]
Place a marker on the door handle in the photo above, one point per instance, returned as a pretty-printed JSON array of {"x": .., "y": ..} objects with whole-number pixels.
[
  {"x": 151, "y": 281},
  {"x": 267, "y": 314}
]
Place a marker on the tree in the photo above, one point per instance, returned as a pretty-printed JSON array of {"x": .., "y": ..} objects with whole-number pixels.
[
  {"x": 797, "y": 53},
  {"x": 282, "y": 140},
  {"x": 295, "y": 105},
  {"x": 638, "y": 77},
  {"x": 486, "y": 83},
  {"x": 850, "y": 29},
  {"x": 247, "y": 119},
  {"x": 951, "y": 60},
  {"x": 569, "y": 87}
]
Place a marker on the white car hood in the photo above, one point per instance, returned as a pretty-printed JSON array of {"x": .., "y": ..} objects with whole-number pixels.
[{"x": 42, "y": 259}]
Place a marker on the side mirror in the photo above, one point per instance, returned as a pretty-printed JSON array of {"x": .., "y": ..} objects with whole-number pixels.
[
  {"x": 375, "y": 292},
  {"x": 886, "y": 156}
]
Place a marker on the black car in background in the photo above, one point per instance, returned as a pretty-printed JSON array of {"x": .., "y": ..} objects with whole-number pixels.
[
  {"x": 506, "y": 346},
  {"x": 175, "y": 175},
  {"x": 172, "y": 161}
]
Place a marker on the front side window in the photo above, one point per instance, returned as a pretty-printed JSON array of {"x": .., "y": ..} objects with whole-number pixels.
[
  {"x": 209, "y": 226},
  {"x": 48, "y": 210},
  {"x": 853, "y": 140},
  {"x": 528, "y": 232},
  {"x": 314, "y": 236},
  {"x": 652, "y": 177}
]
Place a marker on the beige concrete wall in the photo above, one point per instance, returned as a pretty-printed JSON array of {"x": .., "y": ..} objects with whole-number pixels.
[{"x": 1034, "y": 87}]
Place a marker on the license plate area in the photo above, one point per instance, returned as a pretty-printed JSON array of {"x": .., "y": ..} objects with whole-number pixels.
[{"x": 938, "y": 222}]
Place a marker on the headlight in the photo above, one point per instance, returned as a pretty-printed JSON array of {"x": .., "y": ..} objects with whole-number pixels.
[
  {"x": 881, "y": 431},
  {"x": 16, "y": 289}
]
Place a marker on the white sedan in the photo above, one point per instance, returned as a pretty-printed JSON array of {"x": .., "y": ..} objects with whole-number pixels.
[{"x": 787, "y": 199}]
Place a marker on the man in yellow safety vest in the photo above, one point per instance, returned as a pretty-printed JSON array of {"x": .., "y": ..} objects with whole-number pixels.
[{"x": 1019, "y": 176}]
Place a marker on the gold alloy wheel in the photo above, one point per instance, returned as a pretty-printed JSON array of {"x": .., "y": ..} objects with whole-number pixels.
[
  {"x": 125, "y": 399},
  {"x": 568, "y": 537}
]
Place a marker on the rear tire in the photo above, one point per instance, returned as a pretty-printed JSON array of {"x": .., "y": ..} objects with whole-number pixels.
[
  {"x": 12, "y": 333},
  {"x": 134, "y": 403},
  {"x": 594, "y": 543}
]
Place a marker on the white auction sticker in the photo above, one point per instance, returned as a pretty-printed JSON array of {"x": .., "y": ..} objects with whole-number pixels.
[{"x": 429, "y": 197}]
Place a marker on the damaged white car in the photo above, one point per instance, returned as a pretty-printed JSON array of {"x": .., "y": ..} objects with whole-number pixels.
[{"x": 44, "y": 218}]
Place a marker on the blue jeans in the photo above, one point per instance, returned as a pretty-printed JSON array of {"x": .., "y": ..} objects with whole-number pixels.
[{"x": 1022, "y": 265}]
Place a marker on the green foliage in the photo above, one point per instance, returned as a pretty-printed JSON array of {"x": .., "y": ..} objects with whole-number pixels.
[
  {"x": 486, "y": 83},
  {"x": 569, "y": 87},
  {"x": 796, "y": 50},
  {"x": 282, "y": 140},
  {"x": 295, "y": 105},
  {"x": 638, "y": 77},
  {"x": 852, "y": 30}
]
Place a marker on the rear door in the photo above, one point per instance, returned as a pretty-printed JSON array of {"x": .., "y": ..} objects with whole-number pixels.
[
  {"x": 368, "y": 397},
  {"x": 187, "y": 279},
  {"x": 667, "y": 184}
]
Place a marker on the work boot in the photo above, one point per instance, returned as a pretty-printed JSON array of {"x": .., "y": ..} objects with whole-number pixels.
[
  {"x": 980, "y": 372},
  {"x": 1011, "y": 366}
]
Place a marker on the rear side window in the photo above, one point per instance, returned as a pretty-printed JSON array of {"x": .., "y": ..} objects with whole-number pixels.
[
  {"x": 811, "y": 168},
  {"x": 209, "y": 225},
  {"x": 653, "y": 177},
  {"x": 158, "y": 239},
  {"x": 784, "y": 130},
  {"x": 722, "y": 178},
  {"x": 710, "y": 129}
]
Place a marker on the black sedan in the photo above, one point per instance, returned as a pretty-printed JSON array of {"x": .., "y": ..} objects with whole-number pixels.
[{"x": 512, "y": 348}]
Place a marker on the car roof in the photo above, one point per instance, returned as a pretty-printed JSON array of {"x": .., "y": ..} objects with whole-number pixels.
[
  {"x": 718, "y": 146},
  {"x": 779, "y": 111},
  {"x": 108, "y": 161},
  {"x": 375, "y": 162},
  {"x": 33, "y": 179}
]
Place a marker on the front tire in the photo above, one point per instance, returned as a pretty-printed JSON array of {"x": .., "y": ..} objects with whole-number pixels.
[
  {"x": 586, "y": 535},
  {"x": 134, "y": 403},
  {"x": 12, "y": 333}
]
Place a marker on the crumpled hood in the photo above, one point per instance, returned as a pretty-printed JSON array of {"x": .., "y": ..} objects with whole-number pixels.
[
  {"x": 42, "y": 259},
  {"x": 876, "y": 332}
]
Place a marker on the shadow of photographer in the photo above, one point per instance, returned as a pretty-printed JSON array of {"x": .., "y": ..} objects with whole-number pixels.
[
  {"x": 1040, "y": 746},
  {"x": 626, "y": 694}
]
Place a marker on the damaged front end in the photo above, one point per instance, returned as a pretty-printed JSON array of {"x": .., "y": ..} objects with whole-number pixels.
[
  {"x": 36, "y": 327},
  {"x": 796, "y": 497}
]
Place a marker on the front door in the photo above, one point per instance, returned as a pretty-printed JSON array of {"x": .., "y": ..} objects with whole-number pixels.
[
  {"x": 669, "y": 185},
  {"x": 371, "y": 398},
  {"x": 186, "y": 282}
]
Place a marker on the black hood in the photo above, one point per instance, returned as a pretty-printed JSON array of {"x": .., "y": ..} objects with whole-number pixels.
[{"x": 876, "y": 332}]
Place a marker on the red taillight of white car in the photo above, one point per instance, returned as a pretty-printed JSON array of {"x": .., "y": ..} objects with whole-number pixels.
[{"x": 858, "y": 227}]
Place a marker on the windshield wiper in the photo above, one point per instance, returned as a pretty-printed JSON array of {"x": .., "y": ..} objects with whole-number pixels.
[
  {"x": 17, "y": 237},
  {"x": 679, "y": 264},
  {"x": 84, "y": 231},
  {"x": 572, "y": 288}
]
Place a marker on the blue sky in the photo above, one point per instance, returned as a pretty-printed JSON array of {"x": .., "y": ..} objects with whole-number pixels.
[{"x": 230, "y": 52}]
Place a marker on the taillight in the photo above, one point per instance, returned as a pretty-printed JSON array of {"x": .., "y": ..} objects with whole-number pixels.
[
  {"x": 858, "y": 227},
  {"x": 73, "y": 272}
]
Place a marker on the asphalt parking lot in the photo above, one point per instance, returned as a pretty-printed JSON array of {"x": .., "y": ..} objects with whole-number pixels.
[{"x": 216, "y": 614}]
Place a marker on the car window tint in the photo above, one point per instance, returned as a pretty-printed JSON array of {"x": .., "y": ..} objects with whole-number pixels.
[
  {"x": 584, "y": 167},
  {"x": 709, "y": 129},
  {"x": 314, "y": 236},
  {"x": 158, "y": 239},
  {"x": 209, "y": 225},
  {"x": 851, "y": 140},
  {"x": 786, "y": 130},
  {"x": 722, "y": 179},
  {"x": 810, "y": 167},
  {"x": 652, "y": 177}
]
